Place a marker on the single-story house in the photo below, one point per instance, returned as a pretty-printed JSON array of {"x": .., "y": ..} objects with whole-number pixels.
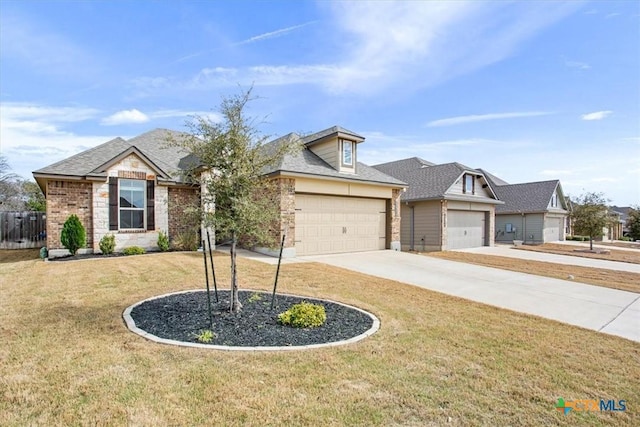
[
  {"x": 448, "y": 206},
  {"x": 534, "y": 212},
  {"x": 330, "y": 202}
]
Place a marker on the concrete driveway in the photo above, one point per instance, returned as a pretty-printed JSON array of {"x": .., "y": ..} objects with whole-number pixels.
[{"x": 601, "y": 309}]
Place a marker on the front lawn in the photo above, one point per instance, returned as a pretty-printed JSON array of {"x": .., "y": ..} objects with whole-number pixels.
[
  {"x": 632, "y": 257},
  {"x": 67, "y": 358}
]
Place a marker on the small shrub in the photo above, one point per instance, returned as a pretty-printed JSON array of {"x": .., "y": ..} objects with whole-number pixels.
[
  {"x": 186, "y": 241},
  {"x": 303, "y": 315},
  {"x": 205, "y": 336},
  {"x": 163, "y": 241},
  {"x": 107, "y": 244},
  {"x": 255, "y": 297},
  {"x": 133, "y": 250},
  {"x": 73, "y": 235}
]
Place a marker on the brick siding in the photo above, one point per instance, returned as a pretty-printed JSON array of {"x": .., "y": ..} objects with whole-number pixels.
[{"x": 65, "y": 198}]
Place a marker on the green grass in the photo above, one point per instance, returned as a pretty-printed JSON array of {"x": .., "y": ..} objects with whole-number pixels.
[{"x": 68, "y": 359}]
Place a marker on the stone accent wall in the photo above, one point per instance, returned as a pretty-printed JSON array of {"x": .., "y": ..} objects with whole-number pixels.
[
  {"x": 65, "y": 198},
  {"x": 491, "y": 218},
  {"x": 287, "y": 190},
  {"x": 393, "y": 220},
  {"x": 180, "y": 199}
]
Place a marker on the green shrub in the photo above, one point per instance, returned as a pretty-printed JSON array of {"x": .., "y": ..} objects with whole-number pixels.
[
  {"x": 107, "y": 244},
  {"x": 163, "y": 241},
  {"x": 186, "y": 241},
  {"x": 73, "y": 235},
  {"x": 205, "y": 336},
  {"x": 255, "y": 297},
  {"x": 133, "y": 250},
  {"x": 303, "y": 315}
]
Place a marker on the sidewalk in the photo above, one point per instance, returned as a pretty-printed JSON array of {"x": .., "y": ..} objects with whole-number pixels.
[{"x": 509, "y": 251}]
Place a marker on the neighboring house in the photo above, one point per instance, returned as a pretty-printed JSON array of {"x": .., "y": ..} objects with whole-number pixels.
[
  {"x": 534, "y": 212},
  {"x": 623, "y": 213},
  {"x": 330, "y": 202},
  {"x": 448, "y": 206}
]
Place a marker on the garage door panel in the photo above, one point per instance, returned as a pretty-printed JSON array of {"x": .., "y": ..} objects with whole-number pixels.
[
  {"x": 333, "y": 224},
  {"x": 465, "y": 229}
]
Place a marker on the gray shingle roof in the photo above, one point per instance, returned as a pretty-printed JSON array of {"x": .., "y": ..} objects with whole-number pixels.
[
  {"x": 330, "y": 131},
  {"x": 152, "y": 144},
  {"x": 493, "y": 180},
  {"x": 527, "y": 197},
  {"x": 426, "y": 180},
  {"x": 307, "y": 162}
]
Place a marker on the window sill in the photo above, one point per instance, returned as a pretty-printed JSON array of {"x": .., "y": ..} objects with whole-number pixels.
[{"x": 132, "y": 231}]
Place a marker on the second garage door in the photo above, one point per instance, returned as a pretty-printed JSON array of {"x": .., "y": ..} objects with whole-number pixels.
[
  {"x": 465, "y": 229},
  {"x": 331, "y": 224}
]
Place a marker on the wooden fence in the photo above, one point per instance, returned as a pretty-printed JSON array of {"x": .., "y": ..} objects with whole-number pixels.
[{"x": 23, "y": 230}]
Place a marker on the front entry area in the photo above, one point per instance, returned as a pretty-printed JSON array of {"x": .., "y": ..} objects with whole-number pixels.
[{"x": 335, "y": 224}]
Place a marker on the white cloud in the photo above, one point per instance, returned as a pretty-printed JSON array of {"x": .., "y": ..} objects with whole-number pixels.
[
  {"x": 577, "y": 64},
  {"x": 484, "y": 117},
  {"x": 598, "y": 115},
  {"x": 273, "y": 34},
  {"x": 124, "y": 117},
  {"x": 375, "y": 46}
]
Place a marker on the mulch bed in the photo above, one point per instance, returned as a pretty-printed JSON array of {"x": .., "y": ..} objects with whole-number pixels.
[{"x": 181, "y": 317}]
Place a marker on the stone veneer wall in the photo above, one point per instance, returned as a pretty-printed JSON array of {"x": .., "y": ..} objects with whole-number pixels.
[
  {"x": 393, "y": 220},
  {"x": 180, "y": 198},
  {"x": 131, "y": 167},
  {"x": 287, "y": 188},
  {"x": 63, "y": 199}
]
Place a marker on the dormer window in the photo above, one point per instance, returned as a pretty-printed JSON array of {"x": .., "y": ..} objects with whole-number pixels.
[
  {"x": 554, "y": 200},
  {"x": 347, "y": 153},
  {"x": 469, "y": 184}
]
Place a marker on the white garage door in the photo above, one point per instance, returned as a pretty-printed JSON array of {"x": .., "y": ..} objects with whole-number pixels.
[
  {"x": 552, "y": 229},
  {"x": 465, "y": 229},
  {"x": 330, "y": 224}
]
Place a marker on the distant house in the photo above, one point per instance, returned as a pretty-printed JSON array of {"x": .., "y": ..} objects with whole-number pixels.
[
  {"x": 329, "y": 202},
  {"x": 623, "y": 214},
  {"x": 534, "y": 212},
  {"x": 448, "y": 206}
]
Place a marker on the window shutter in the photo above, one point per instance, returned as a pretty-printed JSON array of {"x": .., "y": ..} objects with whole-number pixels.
[
  {"x": 151, "y": 211},
  {"x": 113, "y": 203}
]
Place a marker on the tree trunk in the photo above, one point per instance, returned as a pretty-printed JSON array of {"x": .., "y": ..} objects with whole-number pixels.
[
  {"x": 235, "y": 302},
  {"x": 591, "y": 243}
]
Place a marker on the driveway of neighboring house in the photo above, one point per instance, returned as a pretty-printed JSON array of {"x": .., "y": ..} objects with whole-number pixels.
[
  {"x": 593, "y": 307},
  {"x": 509, "y": 251}
]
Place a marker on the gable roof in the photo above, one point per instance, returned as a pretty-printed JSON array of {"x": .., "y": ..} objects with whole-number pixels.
[
  {"x": 166, "y": 160},
  {"x": 150, "y": 146},
  {"x": 334, "y": 130},
  {"x": 529, "y": 197},
  {"x": 306, "y": 162},
  {"x": 428, "y": 181}
]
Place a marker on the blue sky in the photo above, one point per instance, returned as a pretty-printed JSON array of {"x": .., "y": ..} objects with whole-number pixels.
[{"x": 528, "y": 90}]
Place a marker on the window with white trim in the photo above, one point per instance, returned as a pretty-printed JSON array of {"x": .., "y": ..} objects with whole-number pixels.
[
  {"x": 468, "y": 184},
  {"x": 554, "y": 200},
  {"x": 347, "y": 153},
  {"x": 131, "y": 205}
]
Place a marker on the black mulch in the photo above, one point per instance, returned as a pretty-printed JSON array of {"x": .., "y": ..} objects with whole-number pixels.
[{"x": 181, "y": 317}]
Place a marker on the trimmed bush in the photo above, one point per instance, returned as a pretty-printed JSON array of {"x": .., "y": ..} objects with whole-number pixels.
[
  {"x": 133, "y": 250},
  {"x": 186, "y": 241},
  {"x": 73, "y": 235},
  {"x": 108, "y": 244},
  {"x": 303, "y": 315},
  {"x": 163, "y": 241}
]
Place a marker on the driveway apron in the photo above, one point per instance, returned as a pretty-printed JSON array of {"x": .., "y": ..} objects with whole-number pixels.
[{"x": 601, "y": 309}]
